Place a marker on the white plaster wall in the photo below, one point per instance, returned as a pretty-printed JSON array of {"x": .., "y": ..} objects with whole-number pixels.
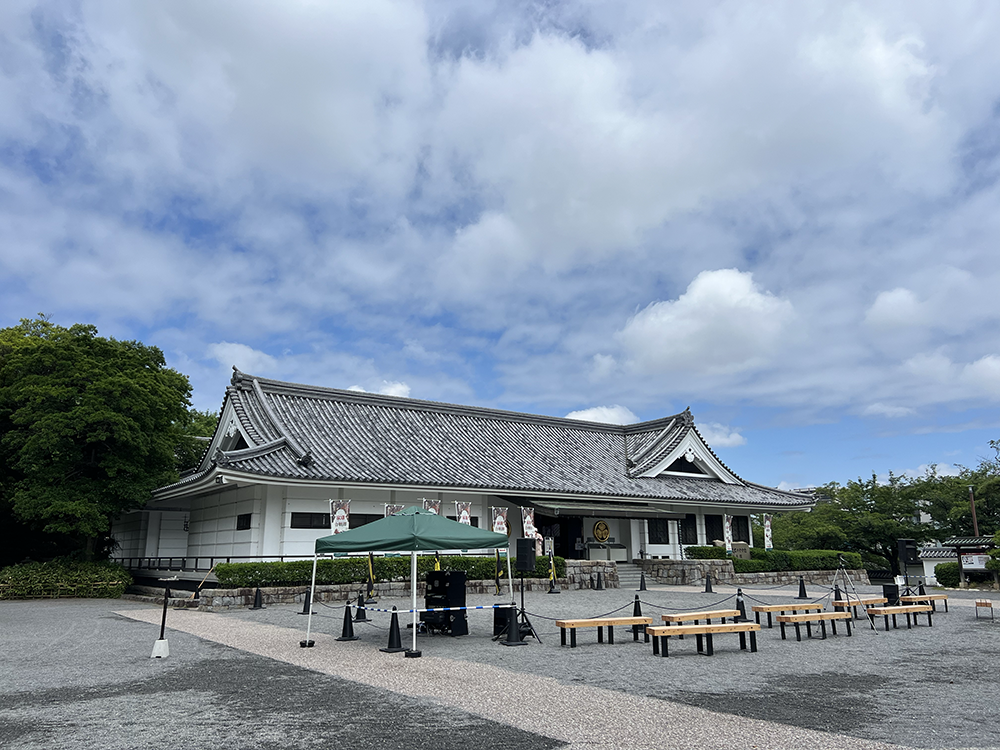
[
  {"x": 212, "y": 524},
  {"x": 130, "y": 533},
  {"x": 173, "y": 539}
]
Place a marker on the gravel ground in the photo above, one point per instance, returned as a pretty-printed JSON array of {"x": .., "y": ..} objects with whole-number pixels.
[{"x": 82, "y": 676}]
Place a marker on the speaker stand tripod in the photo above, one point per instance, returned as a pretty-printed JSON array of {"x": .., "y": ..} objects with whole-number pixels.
[{"x": 524, "y": 625}]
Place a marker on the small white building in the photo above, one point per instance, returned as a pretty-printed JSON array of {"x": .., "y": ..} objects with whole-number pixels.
[{"x": 283, "y": 451}]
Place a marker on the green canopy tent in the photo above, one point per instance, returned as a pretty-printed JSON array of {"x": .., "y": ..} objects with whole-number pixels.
[{"x": 411, "y": 530}]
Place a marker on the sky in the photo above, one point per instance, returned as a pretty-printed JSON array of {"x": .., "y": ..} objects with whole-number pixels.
[{"x": 781, "y": 215}]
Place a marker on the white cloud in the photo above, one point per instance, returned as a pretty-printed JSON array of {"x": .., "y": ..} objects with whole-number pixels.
[
  {"x": 615, "y": 414},
  {"x": 887, "y": 410},
  {"x": 387, "y": 388},
  {"x": 244, "y": 357},
  {"x": 720, "y": 435},
  {"x": 984, "y": 375},
  {"x": 723, "y": 322},
  {"x": 895, "y": 309}
]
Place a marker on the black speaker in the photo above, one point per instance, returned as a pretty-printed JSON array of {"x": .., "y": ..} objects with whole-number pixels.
[
  {"x": 525, "y": 555},
  {"x": 891, "y": 592},
  {"x": 446, "y": 589}
]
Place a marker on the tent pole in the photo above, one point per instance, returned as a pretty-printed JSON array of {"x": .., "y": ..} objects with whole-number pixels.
[
  {"x": 312, "y": 598},
  {"x": 413, "y": 578}
]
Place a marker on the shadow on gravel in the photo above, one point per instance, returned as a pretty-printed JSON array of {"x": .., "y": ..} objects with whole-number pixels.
[
  {"x": 247, "y": 702},
  {"x": 829, "y": 702}
]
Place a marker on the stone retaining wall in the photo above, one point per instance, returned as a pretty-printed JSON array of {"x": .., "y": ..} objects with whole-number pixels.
[
  {"x": 692, "y": 572},
  {"x": 578, "y": 576}
]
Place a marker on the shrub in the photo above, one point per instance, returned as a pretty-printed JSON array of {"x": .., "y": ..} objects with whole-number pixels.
[
  {"x": 751, "y": 566},
  {"x": 62, "y": 578},
  {"x": 779, "y": 560},
  {"x": 947, "y": 575},
  {"x": 355, "y": 570}
]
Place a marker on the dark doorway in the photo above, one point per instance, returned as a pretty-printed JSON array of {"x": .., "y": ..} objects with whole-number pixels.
[{"x": 565, "y": 530}]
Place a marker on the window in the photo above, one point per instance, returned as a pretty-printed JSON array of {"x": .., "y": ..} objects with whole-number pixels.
[
  {"x": 713, "y": 529},
  {"x": 659, "y": 531},
  {"x": 310, "y": 520},
  {"x": 243, "y": 521},
  {"x": 741, "y": 529},
  {"x": 474, "y": 519},
  {"x": 689, "y": 529}
]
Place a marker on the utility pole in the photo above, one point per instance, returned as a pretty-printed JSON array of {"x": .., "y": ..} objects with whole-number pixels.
[{"x": 972, "y": 504}]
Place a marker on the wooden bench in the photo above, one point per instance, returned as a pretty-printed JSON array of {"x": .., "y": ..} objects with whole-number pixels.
[
  {"x": 903, "y": 609},
  {"x": 984, "y": 604},
  {"x": 600, "y": 623},
  {"x": 661, "y": 633},
  {"x": 782, "y": 608},
  {"x": 810, "y": 617},
  {"x": 697, "y": 617},
  {"x": 865, "y": 601},
  {"x": 926, "y": 599}
]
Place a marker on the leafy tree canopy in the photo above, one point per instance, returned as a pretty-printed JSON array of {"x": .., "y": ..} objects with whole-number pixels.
[{"x": 89, "y": 426}]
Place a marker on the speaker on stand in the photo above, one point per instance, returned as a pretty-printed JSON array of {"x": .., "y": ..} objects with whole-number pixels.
[{"x": 525, "y": 564}]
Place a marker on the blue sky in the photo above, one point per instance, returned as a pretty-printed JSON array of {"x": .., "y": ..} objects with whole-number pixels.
[{"x": 784, "y": 216}]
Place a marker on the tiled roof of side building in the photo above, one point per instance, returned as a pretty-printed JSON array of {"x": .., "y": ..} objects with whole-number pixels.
[{"x": 353, "y": 436}]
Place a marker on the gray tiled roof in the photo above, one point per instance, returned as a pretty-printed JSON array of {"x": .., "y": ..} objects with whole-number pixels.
[{"x": 326, "y": 435}]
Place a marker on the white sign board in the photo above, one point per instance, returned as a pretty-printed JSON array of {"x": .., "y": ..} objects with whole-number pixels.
[{"x": 974, "y": 562}]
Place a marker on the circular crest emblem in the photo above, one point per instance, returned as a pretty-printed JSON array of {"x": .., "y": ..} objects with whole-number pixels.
[{"x": 601, "y": 532}]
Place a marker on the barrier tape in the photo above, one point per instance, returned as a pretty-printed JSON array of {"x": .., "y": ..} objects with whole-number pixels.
[{"x": 433, "y": 609}]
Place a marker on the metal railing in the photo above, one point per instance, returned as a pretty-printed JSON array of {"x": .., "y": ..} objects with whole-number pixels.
[{"x": 195, "y": 564}]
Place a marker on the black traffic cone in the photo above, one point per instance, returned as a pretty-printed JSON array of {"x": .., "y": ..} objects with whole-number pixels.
[
  {"x": 642, "y": 581},
  {"x": 708, "y": 584},
  {"x": 741, "y": 607},
  {"x": 347, "y": 634},
  {"x": 600, "y": 581},
  {"x": 513, "y": 630},
  {"x": 802, "y": 589},
  {"x": 307, "y": 603},
  {"x": 395, "y": 642},
  {"x": 361, "y": 615},
  {"x": 920, "y": 589},
  {"x": 258, "y": 600}
]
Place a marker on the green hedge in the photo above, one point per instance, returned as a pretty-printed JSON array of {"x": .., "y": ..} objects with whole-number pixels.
[
  {"x": 947, "y": 575},
  {"x": 64, "y": 579},
  {"x": 763, "y": 561},
  {"x": 355, "y": 570}
]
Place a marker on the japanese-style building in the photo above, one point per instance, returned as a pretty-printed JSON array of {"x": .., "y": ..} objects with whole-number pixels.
[{"x": 283, "y": 451}]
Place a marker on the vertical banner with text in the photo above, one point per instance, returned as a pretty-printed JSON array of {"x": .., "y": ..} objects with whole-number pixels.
[
  {"x": 463, "y": 512},
  {"x": 434, "y": 506},
  {"x": 500, "y": 521},
  {"x": 727, "y": 528},
  {"x": 768, "y": 545},
  {"x": 392, "y": 509},
  {"x": 340, "y": 516}
]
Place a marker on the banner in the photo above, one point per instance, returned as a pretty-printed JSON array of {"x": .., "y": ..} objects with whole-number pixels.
[
  {"x": 392, "y": 509},
  {"x": 371, "y": 576},
  {"x": 530, "y": 532},
  {"x": 727, "y": 528},
  {"x": 500, "y": 524},
  {"x": 340, "y": 516},
  {"x": 434, "y": 506},
  {"x": 767, "y": 533},
  {"x": 463, "y": 512}
]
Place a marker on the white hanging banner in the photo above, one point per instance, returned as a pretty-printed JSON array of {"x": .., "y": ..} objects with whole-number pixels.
[
  {"x": 392, "y": 509},
  {"x": 434, "y": 506},
  {"x": 340, "y": 516},
  {"x": 767, "y": 532},
  {"x": 530, "y": 531},
  {"x": 727, "y": 528},
  {"x": 500, "y": 525},
  {"x": 463, "y": 512}
]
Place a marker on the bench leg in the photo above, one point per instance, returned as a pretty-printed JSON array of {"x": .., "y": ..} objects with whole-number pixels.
[
  {"x": 753, "y": 642},
  {"x": 700, "y": 642},
  {"x": 769, "y": 620},
  {"x": 572, "y": 638},
  {"x": 809, "y": 630},
  {"x": 945, "y": 605},
  {"x": 743, "y": 641},
  {"x": 600, "y": 635},
  {"x": 929, "y": 623},
  {"x": 908, "y": 620},
  {"x": 656, "y": 646},
  {"x": 833, "y": 626},
  {"x": 645, "y": 633},
  {"x": 798, "y": 632},
  {"x": 886, "y": 623},
  {"x": 611, "y": 634},
  {"x": 822, "y": 627},
  {"x": 708, "y": 644},
  {"x": 562, "y": 636},
  {"x": 848, "y": 624},
  {"x": 782, "y": 630},
  {"x": 663, "y": 646},
  {"x": 756, "y": 617}
]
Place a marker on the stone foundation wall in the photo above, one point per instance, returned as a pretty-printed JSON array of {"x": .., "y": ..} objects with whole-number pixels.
[
  {"x": 578, "y": 576},
  {"x": 692, "y": 572}
]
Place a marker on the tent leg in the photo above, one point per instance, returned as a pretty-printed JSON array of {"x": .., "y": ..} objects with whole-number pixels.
[
  {"x": 413, "y": 588},
  {"x": 510, "y": 580},
  {"x": 312, "y": 596}
]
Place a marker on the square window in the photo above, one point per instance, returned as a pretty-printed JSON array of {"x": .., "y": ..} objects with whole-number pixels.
[{"x": 243, "y": 521}]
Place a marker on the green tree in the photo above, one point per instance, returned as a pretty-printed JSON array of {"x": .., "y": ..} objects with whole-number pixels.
[
  {"x": 864, "y": 516},
  {"x": 89, "y": 426},
  {"x": 196, "y": 430},
  {"x": 946, "y": 498}
]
